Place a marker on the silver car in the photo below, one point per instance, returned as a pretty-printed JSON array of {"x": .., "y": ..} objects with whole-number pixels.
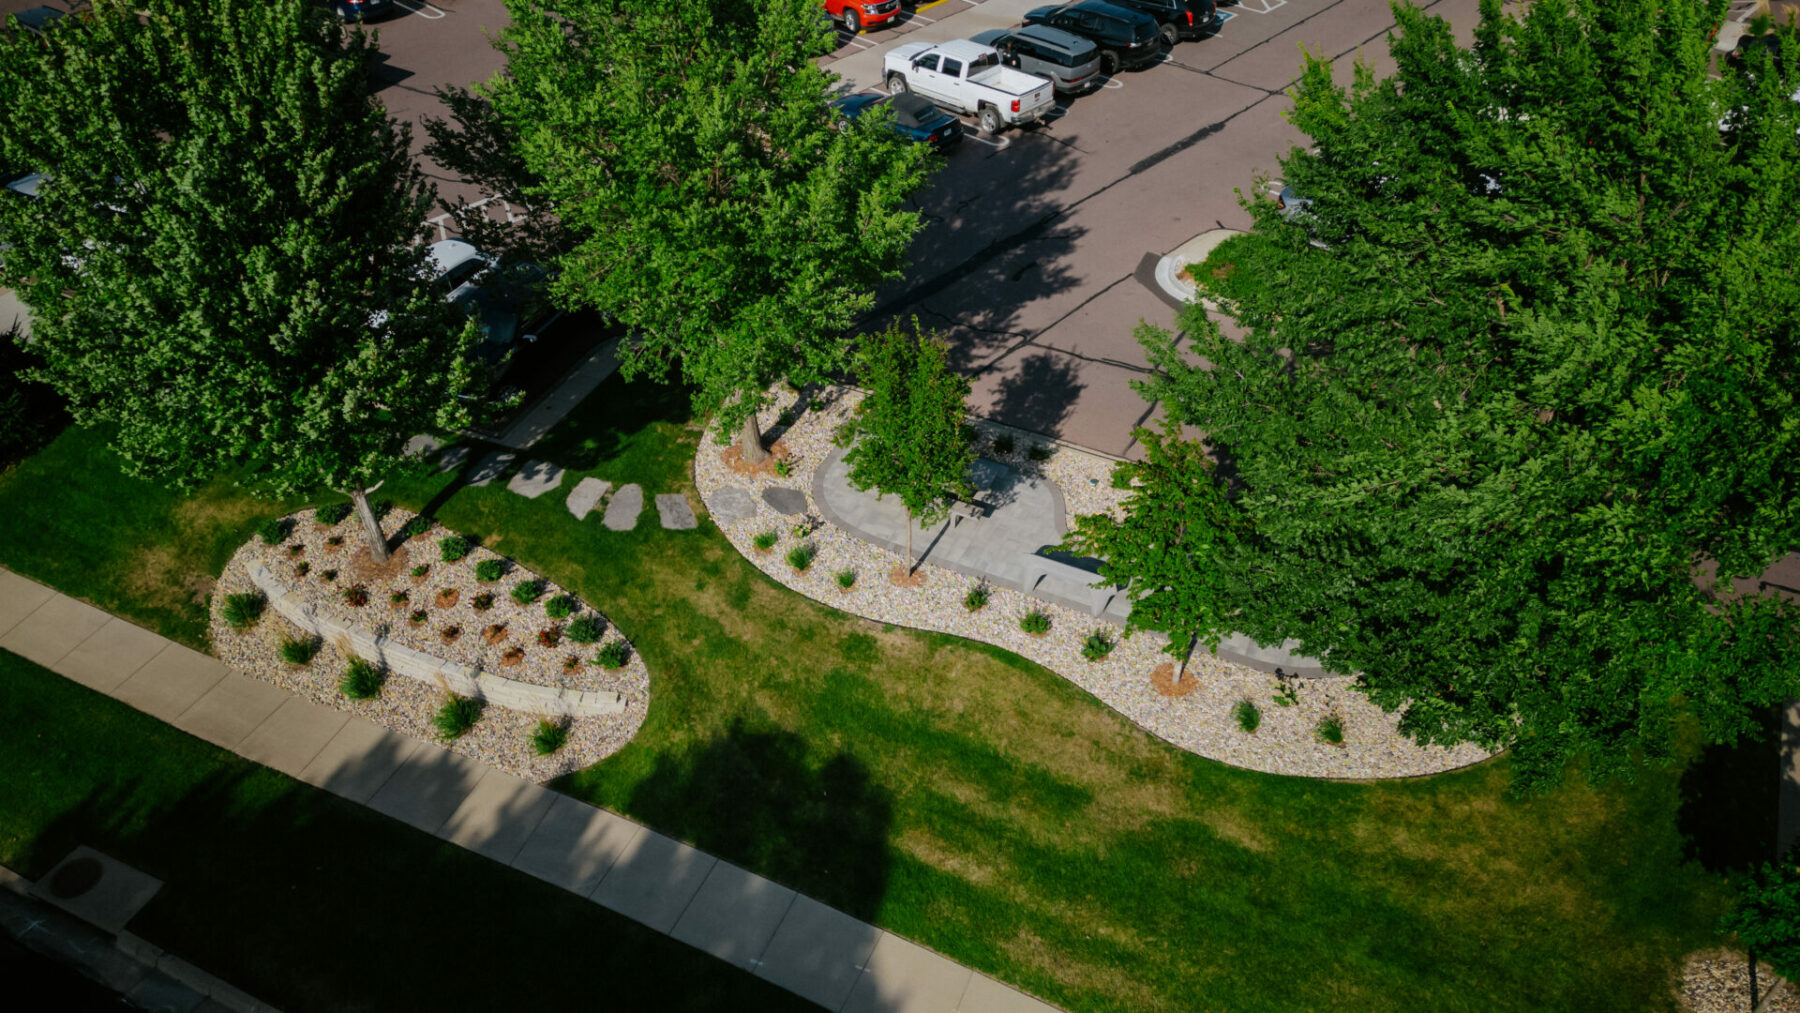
[{"x": 1069, "y": 62}]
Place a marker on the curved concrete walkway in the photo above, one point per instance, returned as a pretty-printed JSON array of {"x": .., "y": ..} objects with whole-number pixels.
[{"x": 812, "y": 950}]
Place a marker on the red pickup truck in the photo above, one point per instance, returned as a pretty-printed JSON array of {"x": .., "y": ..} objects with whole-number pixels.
[{"x": 856, "y": 15}]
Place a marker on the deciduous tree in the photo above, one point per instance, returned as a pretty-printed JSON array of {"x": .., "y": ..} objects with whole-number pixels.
[
  {"x": 1524, "y": 365},
  {"x": 912, "y": 437},
  {"x": 716, "y": 203},
  {"x": 223, "y": 262}
]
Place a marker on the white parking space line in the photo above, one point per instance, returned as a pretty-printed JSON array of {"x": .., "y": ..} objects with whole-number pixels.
[
  {"x": 916, "y": 16},
  {"x": 426, "y": 11},
  {"x": 858, "y": 42},
  {"x": 1003, "y": 142},
  {"x": 1113, "y": 82},
  {"x": 1263, "y": 6}
]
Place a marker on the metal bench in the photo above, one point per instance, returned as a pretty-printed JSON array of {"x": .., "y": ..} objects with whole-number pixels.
[{"x": 967, "y": 510}]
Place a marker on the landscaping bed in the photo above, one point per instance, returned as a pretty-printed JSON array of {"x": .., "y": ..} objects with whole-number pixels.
[
  {"x": 1320, "y": 727},
  {"x": 502, "y": 627}
]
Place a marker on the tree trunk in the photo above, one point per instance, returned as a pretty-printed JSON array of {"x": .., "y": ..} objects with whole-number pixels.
[
  {"x": 912, "y": 565},
  {"x": 1773, "y": 990},
  {"x": 378, "y": 549},
  {"x": 750, "y": 441},
  {"x": 1186, "y": 656}
]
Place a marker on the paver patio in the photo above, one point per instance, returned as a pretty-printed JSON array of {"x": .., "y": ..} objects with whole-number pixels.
[{"x": 793, "y": 941}]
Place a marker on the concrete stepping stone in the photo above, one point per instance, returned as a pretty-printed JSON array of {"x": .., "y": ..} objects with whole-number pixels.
[
  {"x": 785, "y": 500},
  {"x": 732, "y": 504},
  {"x": 453, "y": 459},
  {"x": 673, "y": 510},
  {"x": 586, "y": 496},
  {"x": 535, "y": 478},
  {"x": 423, "y": 445},
  {"x": 491, "y": 467},
  {"x": 623, "y": 509}
]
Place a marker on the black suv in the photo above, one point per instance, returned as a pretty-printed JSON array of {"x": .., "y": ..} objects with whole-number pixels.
[
  {"x": 1179, "y": 19},
  {"x": 1127, "y": 39}
]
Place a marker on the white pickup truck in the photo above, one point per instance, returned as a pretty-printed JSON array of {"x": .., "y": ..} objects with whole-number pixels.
[{"x": 967, "y": 77}]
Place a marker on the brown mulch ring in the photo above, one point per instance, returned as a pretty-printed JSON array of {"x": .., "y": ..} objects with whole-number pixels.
[
  {"x": 900, "y": 578},
  {"x": 734, "y": 459},
  {"x": 366, "y": 570},
  {"x": 494, "y": 634},
  {"x": 1163, "y": 678},
  {"x": 447, "y": 598}
]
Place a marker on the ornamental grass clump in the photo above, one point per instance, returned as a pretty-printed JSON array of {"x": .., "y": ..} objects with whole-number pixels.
[
  {"x": 331, "y": 514},
  {"x": 613, "y": 656},
  {"x": 457, "y": 716},
  {"x": 356, "y": 597},
  {"x": 415, "y": 527},
  {"x": 482, "y": 601},
  {"x": 489, "y": 570},
  {"x": 241, "y": 611},
  {"x": 361, "y": 681},
  {"x": 560, "y": 606},
  {"x": 527, "y": 591},
  {"x": 549, "y": 736},
  {"x": 846, "y": 579},
  {"x": 1249, "y": 717},
  {"x": 585, "y": 629},
  {"x": 766, "y": 541},
  {"x": 977, "y": 598},
  {"x": 1097, "y": 645},
  {"x": 453, "y": 547},
  {"x": 274, "y": 532},
  {"x": 1035, "y": 623},
  {"x": 801, "y": 556},
  {"x": 1331, "y": 730},
  {"x": 298, "y": 650}
]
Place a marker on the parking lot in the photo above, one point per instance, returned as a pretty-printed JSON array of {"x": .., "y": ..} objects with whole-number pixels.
[{"x": 1031, "y": 257}]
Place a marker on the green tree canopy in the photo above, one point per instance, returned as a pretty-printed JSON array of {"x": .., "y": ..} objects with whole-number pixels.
[
  {"x": 225, "y": 218},
  {"x": 1526, "y": 361},
  {"x": 716, "y": 203},
  {"x": 912, "y": 436},
  {"x": 1766, "y": 916}
]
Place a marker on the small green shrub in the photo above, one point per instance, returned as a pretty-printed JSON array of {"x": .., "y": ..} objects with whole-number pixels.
[
  {"x": 1287, "y": 695},
  {"x": 527, "y": 591},
  {"x": 801, "y": 556},
  {"x": 1097, "y": 645},
  {"x": 298, "y": 650},
  {"x": 816, "y": 404},
  {"x": 489, "y": 570},
  {"x": 1248, "y": 716},
  {"x": 1038, "y": 452},
  {"x": 766, "y": 541},
  {"x": 453, "y": 547},
  {"x": 977, "y": 598},
  {"x": 335, "y": 541},
  {"x": 585, "y": 629},
  {"x": 1003, "y": 444},
  {"x": 418, "y": 616},
  {"x": 243, "y": 610},
  {"x": 844, "y": 435},
  {"x": 398, "y": 598},
  {"x": 332, "y": 513},
  {"x": 456, "y": 716},
  {"x": 1035, "y": 622},
  {"x": 361, "y": 681},
  {"x": 416, "y": 527},
  {"x": 549, "y": 736},
  {"x": 612, "y": 656},
  {"x": 560, "y": 607},
  {"x": 329, "y": 575},
  {"x": 418, "y": 572},
  {"x": 274, "y": 532},
  {"x": 846, "y": 579},
  {"x": 483, "y": 602},
  {"x": 302, "y": 568},
  {"x": 784, "y": 467},
  {"x": 550, "y": 636},
  {"x": 1331, "y": 730},
  {"x": 356, "y": 597}
]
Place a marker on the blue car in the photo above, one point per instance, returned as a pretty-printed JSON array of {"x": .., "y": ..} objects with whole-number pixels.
[{"x": 915, "y": 118}]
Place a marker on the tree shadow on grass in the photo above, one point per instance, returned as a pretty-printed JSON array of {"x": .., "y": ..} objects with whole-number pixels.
[
  {"x": 1729, "y": 801},
  {"x": 757, "y": 799}
]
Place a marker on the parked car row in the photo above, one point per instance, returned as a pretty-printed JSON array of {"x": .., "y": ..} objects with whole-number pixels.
[{"x": 1012, "y": 76}]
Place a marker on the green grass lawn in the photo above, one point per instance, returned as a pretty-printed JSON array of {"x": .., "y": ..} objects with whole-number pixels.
[
  {"x": 972, "y": 801},
  {"x": 305, "y": 900}
]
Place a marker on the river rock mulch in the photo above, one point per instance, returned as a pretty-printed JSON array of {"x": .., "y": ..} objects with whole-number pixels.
[
  {"x": 502, "y": 736},
  {"x": 1718, "y": 981},
  {"x": 1203, "y": 720}
]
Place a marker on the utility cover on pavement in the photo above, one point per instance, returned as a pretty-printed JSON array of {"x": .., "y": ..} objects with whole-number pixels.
[
  {"x": 98, "y": 889},
  {"x": 586, "y": 495},
  {"x": 622, "y": 511},
  {"x": 785, "y": 500},
  {"x": 673, "y": 510},
  {"x": 732, "y": 504},
  {"x": 491, "y": 467},
  {"x": 535, "y": 479}
]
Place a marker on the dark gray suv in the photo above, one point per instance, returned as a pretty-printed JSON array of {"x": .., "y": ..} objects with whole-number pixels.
[{"x": 1071, "y": 62}]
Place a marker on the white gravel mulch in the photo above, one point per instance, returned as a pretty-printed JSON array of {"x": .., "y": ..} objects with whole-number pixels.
[
  {"x": 1718, "y": 981},
  {"x": 1202, "y": 720},
  {"x": 502, "y": 736}
]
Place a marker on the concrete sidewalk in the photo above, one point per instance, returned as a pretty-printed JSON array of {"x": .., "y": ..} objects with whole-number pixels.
[{"x": 814, "y": 951}]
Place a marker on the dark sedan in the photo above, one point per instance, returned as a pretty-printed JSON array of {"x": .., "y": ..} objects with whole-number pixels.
[
  {"x": 915, "y": 118},
  {"x": 361, "y": 10}
]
